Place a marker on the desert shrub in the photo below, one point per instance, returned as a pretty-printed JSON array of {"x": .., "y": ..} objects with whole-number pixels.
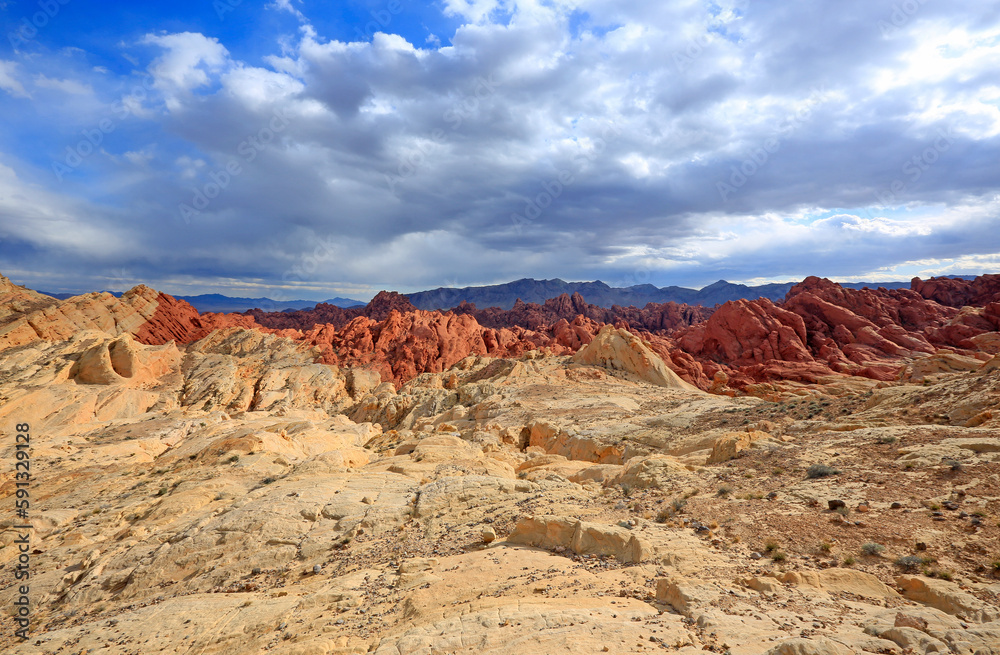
[
  {"x": 908, "y": 562},
  {"x": 820, "y": 471},
  {"x": 872, "y": 549}
]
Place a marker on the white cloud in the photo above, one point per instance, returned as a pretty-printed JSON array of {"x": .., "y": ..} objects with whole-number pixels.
[
  {"x": 73, "y": 87},
  {"x": 187, "y": 64},
  {"x": 9, "y": 81}
]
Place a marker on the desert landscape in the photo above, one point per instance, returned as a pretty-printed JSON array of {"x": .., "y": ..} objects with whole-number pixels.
[{"x": 814, "y": 476}]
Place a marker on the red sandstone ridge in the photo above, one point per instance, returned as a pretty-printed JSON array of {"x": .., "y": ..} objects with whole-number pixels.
[
  {"x": 956, "y": 292},
  {"x": 325, "y": 314},
  {"x": 663, "y": 317},
  {"x": 407, "y": 344},
  {"x": 176, "y": 320},
  {"x": 820, "y": 329}
]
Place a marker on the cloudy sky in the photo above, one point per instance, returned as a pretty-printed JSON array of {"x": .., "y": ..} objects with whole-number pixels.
[{"x": 312, "y": 148}]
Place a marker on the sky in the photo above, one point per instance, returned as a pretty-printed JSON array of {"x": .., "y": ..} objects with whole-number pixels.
[{"x": 310, "y": 148}]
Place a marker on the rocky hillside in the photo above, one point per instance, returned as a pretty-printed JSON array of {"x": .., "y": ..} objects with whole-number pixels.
[{"x": 228, "y": 492}]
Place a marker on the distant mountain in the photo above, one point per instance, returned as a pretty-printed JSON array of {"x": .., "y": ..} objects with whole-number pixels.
[
  {"x": 214, "y": 302},
  {"x": 598, "y": 293}
]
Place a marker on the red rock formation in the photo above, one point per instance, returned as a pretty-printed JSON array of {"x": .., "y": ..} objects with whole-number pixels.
[
  {"x": 956, "y": 292},
  {"x": 406, "y": 344},
  {"x": 820, "y": 329},
  {"x": 176, "y": 320}
]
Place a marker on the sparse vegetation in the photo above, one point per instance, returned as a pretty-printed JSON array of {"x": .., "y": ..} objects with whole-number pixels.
[
  {"x": 850, "y": 561},
  {"x": 724, "y": 490},
  {"x": 233, "y": 459},
  {"x": 778, "y": 556},
  {"x": 872, "y": 549},
  {"x": 909, "y": 562},
  {"x": 825, "y": 547},
  {"x": 770, "y": 546},
  {"x": 820, "y": 471}
]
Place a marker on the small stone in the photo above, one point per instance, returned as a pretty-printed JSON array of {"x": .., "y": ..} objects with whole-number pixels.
[
  {"x": 896, "y": 506},
  {"x": 863, "y": 507},
  {"x": 920, "y": 546},
  {"x": 317, "y": 569},
  {"x": 755, "y": 555},
  {"x": 367, "y": 500},
  {"x": 489, "y": 535},
  {"x": 835, "y": 504}
]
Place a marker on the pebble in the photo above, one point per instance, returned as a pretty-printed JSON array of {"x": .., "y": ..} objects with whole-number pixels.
[
  {"x": 835, "y": 504},
  {"x": 489, "y": 535},
  {"x": 755, "y": 555},
  {"x": 317, "y": 569},
  {"x": 896, "y": 506}
]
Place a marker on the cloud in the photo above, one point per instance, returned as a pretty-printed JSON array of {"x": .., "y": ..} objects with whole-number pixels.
[
  {"x": 73, "y": 87},
  {"x": 188, "y": 63},
  {"x": 9, "y": 81},
  {"x": 582, "y": 140}
]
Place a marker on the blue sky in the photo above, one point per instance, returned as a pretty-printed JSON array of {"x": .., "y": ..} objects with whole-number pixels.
[{"x": 306, "y": 149}]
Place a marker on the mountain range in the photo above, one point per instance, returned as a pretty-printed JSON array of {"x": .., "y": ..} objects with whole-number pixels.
[
  {"x": 220, "y": 304},
  {"x": 598, "y": 293},
  {"x": 529, "y": 290}
]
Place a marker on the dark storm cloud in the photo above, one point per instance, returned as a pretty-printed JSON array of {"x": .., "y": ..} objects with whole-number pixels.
[{"x": 651, "y": 144}]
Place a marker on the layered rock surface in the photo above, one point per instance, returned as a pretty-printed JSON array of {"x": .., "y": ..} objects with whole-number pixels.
[{"x": 237, "y": 494}]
